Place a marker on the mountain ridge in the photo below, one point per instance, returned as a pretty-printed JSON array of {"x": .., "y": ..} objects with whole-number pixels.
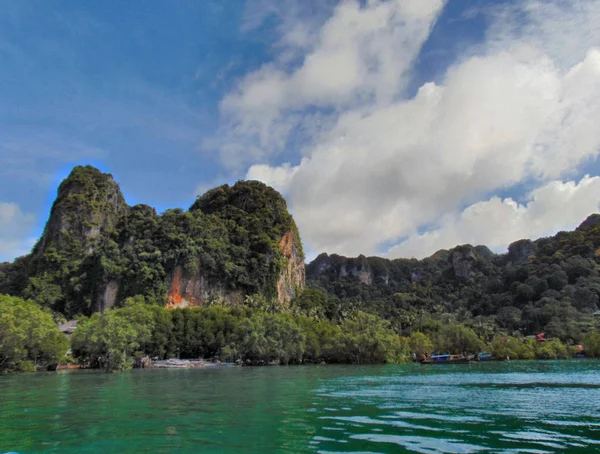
[{"x": 550, "y": 284}]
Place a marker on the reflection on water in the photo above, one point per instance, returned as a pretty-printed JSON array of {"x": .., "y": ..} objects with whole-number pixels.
[{"x": 535, "y": 407}]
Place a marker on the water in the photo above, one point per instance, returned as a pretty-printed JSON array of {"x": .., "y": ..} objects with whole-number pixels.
[{"x": 532, "y": 407}]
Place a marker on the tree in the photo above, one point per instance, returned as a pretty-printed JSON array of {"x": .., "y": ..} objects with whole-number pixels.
[
  {"x": 109, "y": 340},
  {"x": 513, "y": 347},
  {"x": 454, "y": 338},
  {"x": 312, "y": 302},
  {"x": 368, "y": 339},
  {"x": 420, "y": 344},
  {"x": 591, "y": 344},
  {"x": 29, "y": 338}
]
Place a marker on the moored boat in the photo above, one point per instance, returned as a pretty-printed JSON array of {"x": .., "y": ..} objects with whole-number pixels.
[
  {"x": 483, "y": 357},
  {"x": 446, "y": 359}
]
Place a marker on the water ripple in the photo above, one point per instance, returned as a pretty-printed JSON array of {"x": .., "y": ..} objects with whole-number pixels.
[{"x": 516, "y": 407}]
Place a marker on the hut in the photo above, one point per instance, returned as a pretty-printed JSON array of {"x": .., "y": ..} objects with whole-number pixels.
[{"x": 68, "y": 328}]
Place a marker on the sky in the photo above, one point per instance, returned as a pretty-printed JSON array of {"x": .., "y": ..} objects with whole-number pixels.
[{"x": 392, "y": 127}]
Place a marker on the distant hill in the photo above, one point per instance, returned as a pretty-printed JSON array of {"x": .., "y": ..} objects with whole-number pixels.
[
  {"x": 95, "y": 250},
  {"x": 551, "y": 284}
]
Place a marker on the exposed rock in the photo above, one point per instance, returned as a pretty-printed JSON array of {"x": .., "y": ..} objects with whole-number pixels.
[
  {"x": 196, "y": 289},
  {"x": 463, "y": 261},
  {"x": 243, "y": 234},
  {"x": 193, "y": 290},
  {"x": 108, "y": 297},
  {"x": 293, "y": 276},
  {"x": 89, "y": 203},
  {"x": 320, "y": 264},
  {"x": 521, "y": 252},
  {"x": 357, "y": 267},
  {"x": 363, "y": 276},
  {"x": 416, "y": 276},
  {"x": 385, "y": 278}
]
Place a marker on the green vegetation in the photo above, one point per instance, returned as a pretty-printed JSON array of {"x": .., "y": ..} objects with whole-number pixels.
[
  {"x": 29, "y": 337},
  {"x": 591, "y": 343},
  {"x": 248, "y": 335},
  {"x": 551, "y": 285},
  {"x": 114, "y": 339}
]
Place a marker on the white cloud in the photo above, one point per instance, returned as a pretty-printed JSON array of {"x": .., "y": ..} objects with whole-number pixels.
[
  {"x": 15, "y": 227},
  {"x": 564, "y": 30},
  {"x": 361, "y": 54},
  {"x": 496, "y": 223},
  {"x": 523, "y": 107},
  {"x": 278, "y": 177}
]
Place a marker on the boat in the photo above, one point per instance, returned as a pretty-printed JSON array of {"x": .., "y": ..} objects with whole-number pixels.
[
  {"x": 446, "y": 359},
  {"x": 482, "y": 357}
]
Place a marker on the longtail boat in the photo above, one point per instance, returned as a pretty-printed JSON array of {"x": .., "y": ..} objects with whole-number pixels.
[
  {"x": 446, "y": 359},
  {"x": 483, "y": 357}
]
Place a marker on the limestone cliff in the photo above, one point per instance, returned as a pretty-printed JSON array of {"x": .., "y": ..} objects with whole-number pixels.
[
  {"x": 460, "y": 262},
  {"x": 521, "y": 252},
  {"x": 366, "y": 270},
  {"x": 197, "y": 290},
  {"x": 193, "y": 289},
  {"x": 96, "y": 251},
  {"x": 89, "y": 204},
  {"x": 467, "y": 260},
  {"x": 292, "y": 278}
]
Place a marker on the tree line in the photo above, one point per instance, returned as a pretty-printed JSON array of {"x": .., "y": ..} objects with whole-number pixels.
[{"x": 113, "y": 340}]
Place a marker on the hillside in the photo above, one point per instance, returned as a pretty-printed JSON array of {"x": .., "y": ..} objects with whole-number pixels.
[
  {"x": 551, "y": 285},
  {"x": 95, "y": 251}
]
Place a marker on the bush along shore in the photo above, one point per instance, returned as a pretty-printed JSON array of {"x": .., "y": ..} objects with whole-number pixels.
[{"x": 119, "y": 338}]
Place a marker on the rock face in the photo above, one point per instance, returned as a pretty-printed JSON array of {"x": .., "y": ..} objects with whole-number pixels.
[
  {"x": 319, "y": 265},
  {"x": 463, "y": 261},
  {"x": 107, "y": 297},
  {"x": 359, "y": 267},
  {"x": 88, "y": 205},
  {"x": 293, "y": 276},
  {"x": 196, "y": 290},
  {"x": 521, "y": 252}
]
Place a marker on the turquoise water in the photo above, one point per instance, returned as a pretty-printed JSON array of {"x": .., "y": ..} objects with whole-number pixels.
[{"x": 496, "y": 407}]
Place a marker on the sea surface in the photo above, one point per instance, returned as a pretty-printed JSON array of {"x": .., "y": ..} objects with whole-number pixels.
[{"x": 518, "y": 406}]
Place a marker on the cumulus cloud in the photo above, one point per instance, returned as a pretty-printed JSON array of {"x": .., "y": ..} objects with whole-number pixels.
[
  {"x": 496, "y": 223},
  {"x": 353, "y": 59},
  {"x": 278, "y": 177},
  {"x": 15, "y": 227},
  {"x": 521, "y": 108}
]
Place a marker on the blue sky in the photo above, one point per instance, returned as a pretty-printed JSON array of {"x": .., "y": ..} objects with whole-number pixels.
[{"x": 163, "y": 95}]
